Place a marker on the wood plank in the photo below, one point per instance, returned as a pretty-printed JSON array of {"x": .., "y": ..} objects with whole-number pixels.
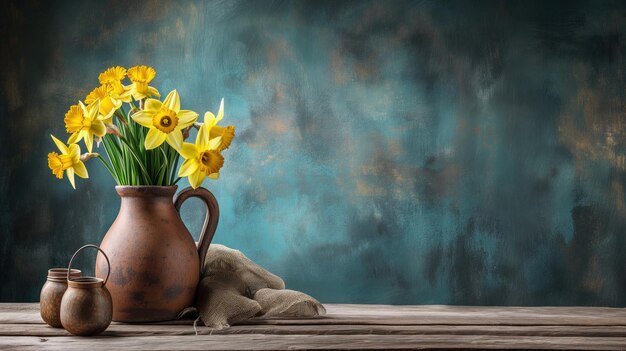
[
  {"x": 399, "y": 310},
  {"x": 307, "y": 342},
  {"x": 346, "y": 327},
  {"x": 404, "y": 315},
  {"x": 482, "y": 312},
  {"x": 127, "y": 330}
]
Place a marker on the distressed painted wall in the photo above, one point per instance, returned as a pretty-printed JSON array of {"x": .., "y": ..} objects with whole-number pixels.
[{"x": 387, "y": 152}]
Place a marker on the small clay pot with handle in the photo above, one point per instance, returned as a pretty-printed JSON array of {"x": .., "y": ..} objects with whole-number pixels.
[{"x": 86, "y": 307}]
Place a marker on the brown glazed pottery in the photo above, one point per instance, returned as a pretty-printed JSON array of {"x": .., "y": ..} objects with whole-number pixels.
[
  {"x": 86, "y": 307},
  {"x": 155, "y": 264},
  {"x": 51, "y": 294}
]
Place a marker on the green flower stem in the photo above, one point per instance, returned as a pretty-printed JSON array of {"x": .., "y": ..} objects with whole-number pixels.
[
  {"x": 114, "y": 165},
  {"x": 139, "y": 163},
  {"x": 130, "y": 163},
  {"x": 121, "y": 116}
]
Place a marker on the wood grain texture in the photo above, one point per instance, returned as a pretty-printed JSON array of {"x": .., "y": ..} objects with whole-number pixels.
[
  {"x": 149, "y": 330},
  {"x": 345, "y": 327},
  {"x": 298, "y": 342}
]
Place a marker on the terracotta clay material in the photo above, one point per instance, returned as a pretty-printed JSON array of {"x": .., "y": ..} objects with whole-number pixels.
[
  {"x": 52, "y": 293},
  {"x": 155, "y": 264},
  {"x": 86, "y": 307}
]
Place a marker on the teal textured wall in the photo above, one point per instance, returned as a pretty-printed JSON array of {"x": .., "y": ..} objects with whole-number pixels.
[{"x": 464, "y": 152}]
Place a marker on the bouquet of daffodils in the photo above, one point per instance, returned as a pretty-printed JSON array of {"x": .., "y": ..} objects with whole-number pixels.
[{"x": 142, "y": 136}]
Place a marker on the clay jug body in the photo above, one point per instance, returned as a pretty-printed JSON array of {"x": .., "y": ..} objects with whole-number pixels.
[{"x": 155, "y": 264}]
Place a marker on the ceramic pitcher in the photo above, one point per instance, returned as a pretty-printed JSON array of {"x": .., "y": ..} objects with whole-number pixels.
[{"x": 155, "y": 264}]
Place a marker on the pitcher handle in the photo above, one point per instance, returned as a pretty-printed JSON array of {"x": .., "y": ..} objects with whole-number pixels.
[{"x": 210, "y": 221}]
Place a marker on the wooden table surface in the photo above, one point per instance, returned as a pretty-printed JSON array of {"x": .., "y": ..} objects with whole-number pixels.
[{"x": 344, "y": 327}]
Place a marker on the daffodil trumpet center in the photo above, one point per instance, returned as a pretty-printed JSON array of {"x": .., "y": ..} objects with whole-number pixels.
[
  {"x": 165, "y": 120},
  {"x": 227, "y": 134},
  {"x": 117, "y": 87},
  {"x": 141, "y": 87},
  {"x": 59, "y": 163},
  {"x": 112, "y": 75},
  {"x": 141, "y": 74},
  {"x": 106, "y": 105},
  {"x": 216, "y": 131},
  {"x": 74, "y": 119},
  {"x": 210, "y": 161}
]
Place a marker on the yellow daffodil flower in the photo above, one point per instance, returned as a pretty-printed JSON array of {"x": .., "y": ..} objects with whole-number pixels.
[
  {"x": 227, "y": 133},
  {"x": 141, "y": 76},
  {"x": 108, "y": 105},
  {"x": 83, "y": 123},
  {"x": 202, "y": 159},
  {"x": 112, "y": 79},
  {"x": 68, "y": 161},
  {"x": 165, "y": 120}
]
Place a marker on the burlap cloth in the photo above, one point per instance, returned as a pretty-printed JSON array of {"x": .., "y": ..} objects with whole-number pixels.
[{"x": 233, "y": 289}]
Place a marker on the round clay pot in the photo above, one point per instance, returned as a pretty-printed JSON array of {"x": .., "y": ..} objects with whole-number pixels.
[
  {"x": 86, "y": 307},
  {"x": 52, "y": 293}
]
